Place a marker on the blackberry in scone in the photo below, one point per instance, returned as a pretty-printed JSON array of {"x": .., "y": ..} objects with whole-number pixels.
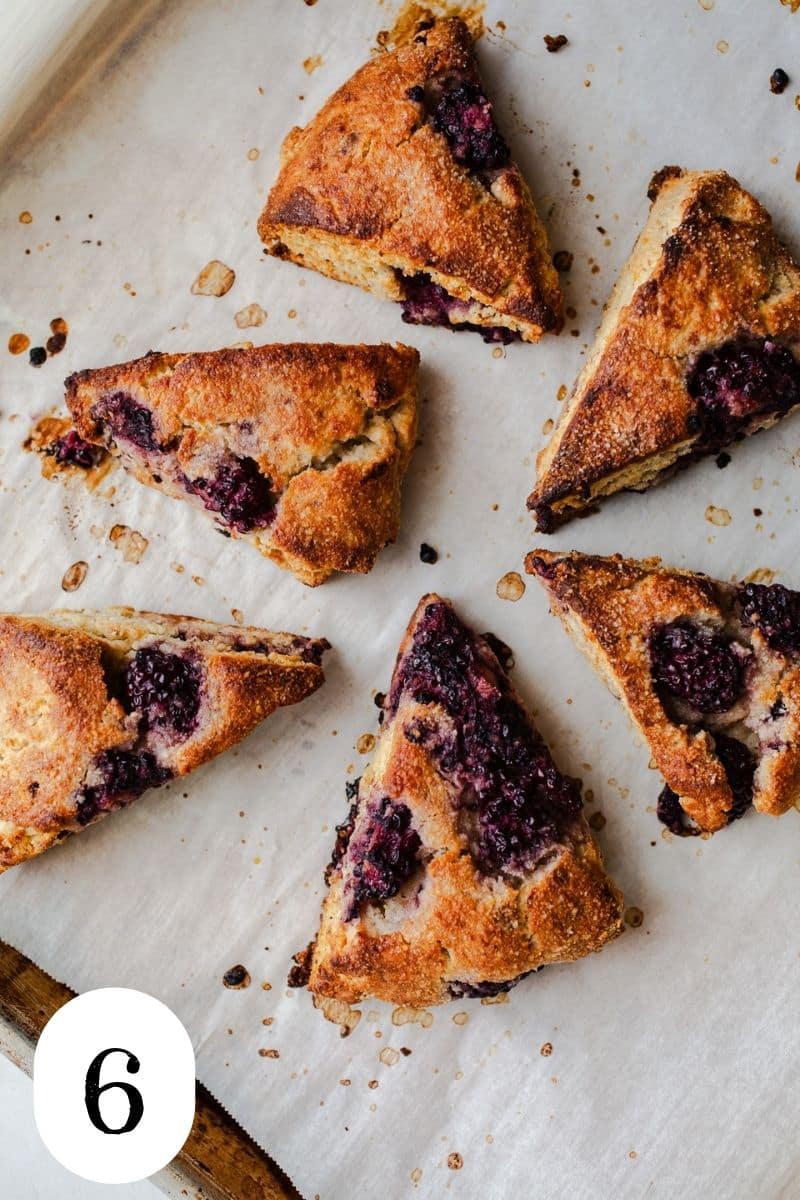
[
  {"x": 709, "y": 672},
  {"x": 298, "y": 449},
  {"x": 465, "y": 862},
  {"x": 699, "y": 347},
  {"x": 97, "y": 707},
  {"x": 404, "y": 186}
]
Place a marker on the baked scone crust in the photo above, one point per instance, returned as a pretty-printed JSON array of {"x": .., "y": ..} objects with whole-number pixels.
[
  {"x": 332, "y": 427},
  {"x": 369, "y": 188},
  {"x": 609, "y": 606},
  {"x": 465, "y": 927},
  {"x": 59, "y": 708},
  {"x": 706, "y": 268}
]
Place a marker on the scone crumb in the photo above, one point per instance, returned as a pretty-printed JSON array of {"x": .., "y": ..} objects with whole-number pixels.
[
  {"x": 718, "y": 516},
  {"x": 18, "y": 342},
  {"x": 365, "y": 743},
  {"x": 761, "y": 575},
  {"x": 269, "y": 1053},
  {"x": 25, "y": 217},
  {"x": 389, "y": 1056},
  {"x": 500, "y": 998},
  {"x": 215, "y": 279},
  {"x": 597, "y": 821},
  {"x": 74, "y": 576},
  {"x": 311, "y": 64},
  {"x": 416, "y": 1175},
  {"x": 634, "y": 917},
  {"x": 460, "y": 1018},
  {"x": 236, "y": 613},
  {"x": 455, "y": 1162},
  {"x": 511, "y": 586},
  {"x": 251, "y": 315},
  {"x": 554, "y": 44},
  {"x": 130, "y": 542}
]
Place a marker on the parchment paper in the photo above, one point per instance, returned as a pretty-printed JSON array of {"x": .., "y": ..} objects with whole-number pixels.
[{"x": 673, "y": 1065}]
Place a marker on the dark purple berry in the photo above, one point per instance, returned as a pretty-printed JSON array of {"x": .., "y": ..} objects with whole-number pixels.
[
  {"x": 696, "y": 665},
  {"x": 124, "y": 775},
  {"x": 464, "y": 115},
  {"x": 511, "y": 788},
  {"x": 126, "y": 420},
  {"x": 239, "y": 492},
  {"x": 739, "y": 766},
  {"x": 164, "y": 688},
  {"x": 384, "y": 854},
  {"x": 475, "y": 991},
  {"x": 775, "y": 611},
  {"x": 72, "y": 451},
  {"x": 778, "y": 81},
  {"x": 739, "y": 381},
  {"x": 427, "y": 303},
  {"x": 427, "y": 554},
  {"x": 670, "y": 813}
]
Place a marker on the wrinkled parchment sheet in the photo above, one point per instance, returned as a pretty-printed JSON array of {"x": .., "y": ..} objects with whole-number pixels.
[{"x": 673, "y": 1064}]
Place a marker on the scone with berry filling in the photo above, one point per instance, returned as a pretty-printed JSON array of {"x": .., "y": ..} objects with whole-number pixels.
[
  {"x": 465, "y": 862},
  {"x": 299, "y": 449},
  {"x": 404, "y": 186},
  {"x": 699, "y": 347},
  {"x": 709, "y": 672},
  {"x": 97, "y": 707}
]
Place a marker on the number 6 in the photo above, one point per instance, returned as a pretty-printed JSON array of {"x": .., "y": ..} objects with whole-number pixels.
[{"x": 94, "y": 1091}]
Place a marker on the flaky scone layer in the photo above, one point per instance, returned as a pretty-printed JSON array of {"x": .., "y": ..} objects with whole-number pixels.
[
  {"x": 611, "y": 607},
  {"x": 706, "y": 269},
  {"x": 368, "y": 192},
  {"x": 64, "y": 715},
  {"x": 328, "y": 429},
  {"x": 452, "y": 929}
]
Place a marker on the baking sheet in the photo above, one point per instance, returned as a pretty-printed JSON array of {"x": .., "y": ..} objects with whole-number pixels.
[{"x": 673, "y": 1052}]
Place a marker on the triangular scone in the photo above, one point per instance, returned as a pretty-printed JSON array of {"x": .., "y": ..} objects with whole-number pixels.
[
  {"x": 298, "y": 449},
  {"x": 465, "y": 861},
  {"x": 709, "y": 672},
  {"x": 698, "y": 348},
  {"x": 97, "y": 707},
  {"x": 403, "y": 185}
]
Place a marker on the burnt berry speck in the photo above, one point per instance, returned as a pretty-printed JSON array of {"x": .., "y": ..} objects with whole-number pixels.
[
  {"x": 123, "y": 775},
  {"x": 464, "y": 115},
  {"x": 164, "y": 688},
  {"x": 697, "y": 665},
  {"x": 778, "y": 81},
  {"x": 239, "y": 493},
  {"x": 427, "y": 554},
  {"x": 126, "y": 420},
  {"x": 72, "y": 451},
  {"x": 670, "y": 813},
  {"x": 511, "y": 792},
  {"x": 416, "y": 93},
  {"x": 475, "y": 991},
  {"x": 382, "y": 855},
  {"x": 37, "y": 356},
  {"x": 775, "y": 611},
  {"x": 739, "y": 382}
]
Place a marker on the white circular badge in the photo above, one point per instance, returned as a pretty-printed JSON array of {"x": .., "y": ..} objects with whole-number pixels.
[{"x": 114, "y": 1085}]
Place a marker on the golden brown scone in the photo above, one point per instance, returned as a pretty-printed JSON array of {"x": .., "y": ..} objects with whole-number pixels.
[
  {"x": 298, "y": 449},
  {"x": 403, "y": 174},
  {"x": 697, "y": 348},
  {"x": 98, "y": 706},
  {"x": 465, "y": 862},
  {"x": 709, "y": 672}
]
